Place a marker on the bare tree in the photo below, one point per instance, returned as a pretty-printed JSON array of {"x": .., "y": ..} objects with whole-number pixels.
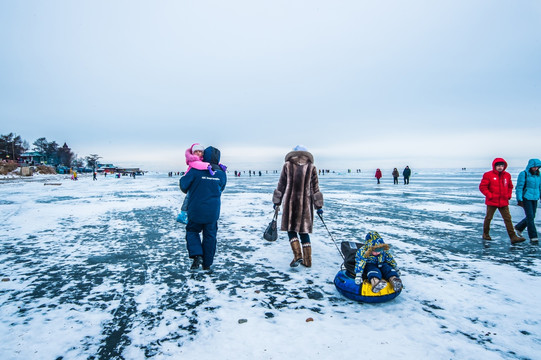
[
  {"x": 92, "y": 160},
  {"x": 77, "y": 162}
]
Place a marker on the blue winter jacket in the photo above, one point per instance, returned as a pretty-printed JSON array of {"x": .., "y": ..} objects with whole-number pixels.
[
  {"x": 364, "y": 254},
  {"x": 532, "y": 190},
  {"x": 205, "y": 190}
]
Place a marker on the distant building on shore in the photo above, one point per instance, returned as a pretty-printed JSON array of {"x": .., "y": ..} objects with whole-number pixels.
[{"x": 33, "y": 158}]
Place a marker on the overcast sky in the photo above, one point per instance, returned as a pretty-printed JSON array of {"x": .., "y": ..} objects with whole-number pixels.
[{"x": 361, "y": 84}]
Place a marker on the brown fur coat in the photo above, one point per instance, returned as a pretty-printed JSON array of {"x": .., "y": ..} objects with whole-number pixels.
[{"x": 298, "y": 192}]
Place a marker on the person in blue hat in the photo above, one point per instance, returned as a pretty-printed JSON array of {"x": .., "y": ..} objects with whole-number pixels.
[{"x": 203, "y": 208}]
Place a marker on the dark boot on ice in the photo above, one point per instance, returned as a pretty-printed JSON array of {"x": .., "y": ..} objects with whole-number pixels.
[
  {"x": 511, "y": 229},
  {"x": 197, "y": 261},
  {"x": 307, "y": 254},
  {"x": 297, "y": 254},
  {"x": 515, "y": 239},
  {"x": 486, "y": 230}
]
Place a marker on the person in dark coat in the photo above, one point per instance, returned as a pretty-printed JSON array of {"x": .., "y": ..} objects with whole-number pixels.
[
  {"x": 298, "y": 193},
  {"x": 395, "y": 176},
  {"x": 406, "y": 173},
  {"x": 204, "y": 203},
  {"x": 497, "y": 187}
]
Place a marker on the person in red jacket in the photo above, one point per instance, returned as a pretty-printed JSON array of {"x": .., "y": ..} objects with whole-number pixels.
[
  {"x": 497, "y": 187},
  {"x": 378, "y": 174}
]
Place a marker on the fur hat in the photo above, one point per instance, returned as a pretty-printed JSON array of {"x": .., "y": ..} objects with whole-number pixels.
[
  {"x": 375, "y": 243},
  {"x": 197, "y": 147}
]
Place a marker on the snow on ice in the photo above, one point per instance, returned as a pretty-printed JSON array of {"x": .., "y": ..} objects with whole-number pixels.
[{"x": 99, "y": 270}]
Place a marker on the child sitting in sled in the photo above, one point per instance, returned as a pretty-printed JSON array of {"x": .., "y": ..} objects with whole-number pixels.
[{"x": 374, "y": 262}]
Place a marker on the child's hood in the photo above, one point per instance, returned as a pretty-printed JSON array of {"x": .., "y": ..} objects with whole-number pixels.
[
  {"x": 190, "y": 156},
  {"x": 374, "y": 242}
]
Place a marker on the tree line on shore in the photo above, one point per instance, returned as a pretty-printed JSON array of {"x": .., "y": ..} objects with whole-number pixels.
[{"x": 13, "y": 146}]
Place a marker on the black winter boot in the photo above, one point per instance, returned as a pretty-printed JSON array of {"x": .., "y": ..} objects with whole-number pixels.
[{"x": 197, "y": 261}]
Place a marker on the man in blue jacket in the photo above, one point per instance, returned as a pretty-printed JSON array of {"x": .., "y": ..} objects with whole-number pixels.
[{"x": 203, "y": 208}]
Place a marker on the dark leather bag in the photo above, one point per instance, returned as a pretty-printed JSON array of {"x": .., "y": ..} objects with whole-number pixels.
[{"x": 271, "y": 232}]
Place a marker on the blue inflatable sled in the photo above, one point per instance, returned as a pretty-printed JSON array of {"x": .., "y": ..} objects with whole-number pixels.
[
  {"x": 345, "y": 282},
  {"x": 346, "y": 286}
]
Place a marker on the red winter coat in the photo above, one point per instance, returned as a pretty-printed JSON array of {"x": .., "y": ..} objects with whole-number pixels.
[
  {"x": 378, "y": 174},
  {"x": 496, "y": 186}
]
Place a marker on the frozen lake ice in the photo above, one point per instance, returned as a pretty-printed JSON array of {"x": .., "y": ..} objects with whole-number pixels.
[{"x": 99, "y": 270}]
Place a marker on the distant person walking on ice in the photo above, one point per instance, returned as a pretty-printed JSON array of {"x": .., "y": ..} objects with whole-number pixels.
[
  {"x": 298, "y": 193},
  {"x": 396, "y": 174},
  {"x": 497, "y": 187},
  {"x": 406, "y": 173},
  {"x": 204, "y": 203},
  {"x": 378, "y": 175},
  {"x": 528, "y": 193}
]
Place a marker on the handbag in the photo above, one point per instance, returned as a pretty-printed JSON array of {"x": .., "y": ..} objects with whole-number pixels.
[{"x": 271, "y": 232}]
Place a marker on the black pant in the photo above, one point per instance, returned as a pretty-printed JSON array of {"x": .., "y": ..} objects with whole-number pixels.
[{"x": 305, "y": 238}]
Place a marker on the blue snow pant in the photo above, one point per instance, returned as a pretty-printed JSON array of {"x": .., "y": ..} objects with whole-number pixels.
[
  {"x": 378, "y": 271},
  {"x": 207, "y": 248},
  {"x": 530, "y": 208}
]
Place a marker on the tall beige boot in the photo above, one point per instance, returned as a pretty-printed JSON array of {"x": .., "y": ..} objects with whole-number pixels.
[
  {"x": 307, "y": 254},
  {"x": 297, "y": 254}
]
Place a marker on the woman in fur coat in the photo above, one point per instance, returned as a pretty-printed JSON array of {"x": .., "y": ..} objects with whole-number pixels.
[{"x": 298, "y": 193}]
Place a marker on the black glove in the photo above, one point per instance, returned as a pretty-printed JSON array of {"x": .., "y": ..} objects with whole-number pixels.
[
  {"x": 275, "y": 206},
  {"x": 320, "y": 211},
  {"x": 520, "y": 203}
]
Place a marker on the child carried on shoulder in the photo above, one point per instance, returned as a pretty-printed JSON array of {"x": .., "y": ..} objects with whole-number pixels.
[{"x": 194, "y": 159}]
